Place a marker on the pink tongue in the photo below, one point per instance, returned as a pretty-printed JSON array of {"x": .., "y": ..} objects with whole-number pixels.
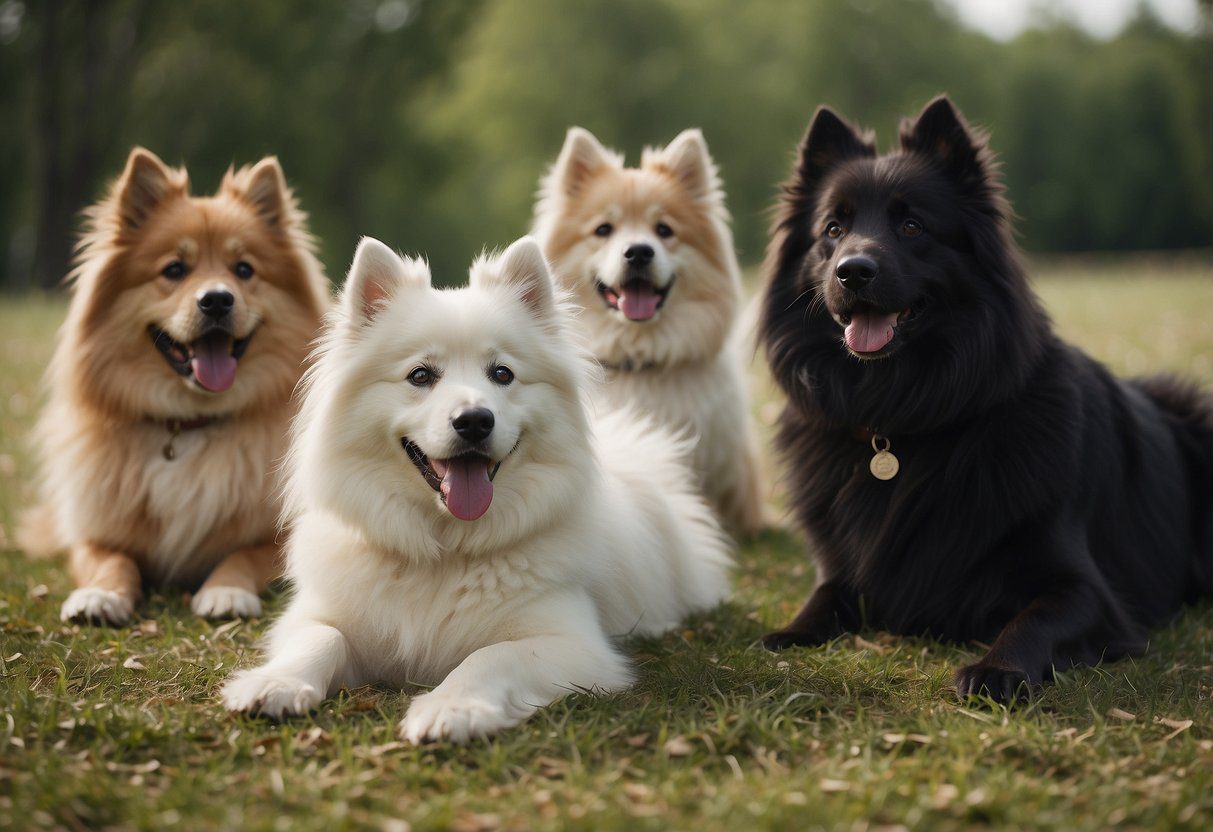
[
  {"x": 467, "y": 487},
  {"x": 638, "y": 300},
  {"x": 869, "y": 331},
  {"x": 213, "y": 364}
]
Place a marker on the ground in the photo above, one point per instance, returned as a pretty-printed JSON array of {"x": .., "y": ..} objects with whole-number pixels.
[{"x": 122, "y": 728}]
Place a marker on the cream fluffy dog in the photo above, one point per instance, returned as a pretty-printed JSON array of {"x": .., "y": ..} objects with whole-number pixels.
[
  {"x": 648, "y": 254},
  {"x": 458, "y": 519}
]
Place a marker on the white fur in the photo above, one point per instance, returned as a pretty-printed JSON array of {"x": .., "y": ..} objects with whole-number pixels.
[
  {"x": 101, "y": 606},
  {"x": 225, "y": 602},
  {"x": 684, "y": 366},
  {"x": 594, "y": 530}
]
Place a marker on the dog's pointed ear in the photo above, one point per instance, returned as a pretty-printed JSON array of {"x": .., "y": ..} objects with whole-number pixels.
[
  {"x": 376, "y": 275},
  {"x": 523, "y": 268},
  {"x": 581, "y": 158},
  {"x": 146, "y": 183},
  {"x": 267, "y": 192},
  {"x": 941, "y": 133},
  {"x": 828, "y": 142},
  {"x": 687, "y": 159}
]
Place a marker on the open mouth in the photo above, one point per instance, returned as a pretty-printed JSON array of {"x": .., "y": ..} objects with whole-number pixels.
[
  {"x": 463, "y": 482},
  {"x": 209, "y": 360},
  {"x": 871, "y": 333},
  {"x": 638, "y": 299}
]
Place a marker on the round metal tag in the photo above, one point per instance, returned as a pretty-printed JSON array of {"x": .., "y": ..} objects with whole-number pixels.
[{"x": 884, "y": 465}]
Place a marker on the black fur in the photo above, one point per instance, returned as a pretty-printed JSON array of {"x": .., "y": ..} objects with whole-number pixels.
[{"x": 1042, "y": 506}]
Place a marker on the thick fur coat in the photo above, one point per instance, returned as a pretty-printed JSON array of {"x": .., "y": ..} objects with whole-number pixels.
[
  {"x": 459, "y": 519},
  {"x": 648, "y": 256},
  {"x": 1042, "y": 506},
  {"x": 170, "y": 387}
]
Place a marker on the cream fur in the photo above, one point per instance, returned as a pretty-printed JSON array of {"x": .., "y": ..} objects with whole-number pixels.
[
  {"x": 592, "y": 532},
  {"x": 683, "y": 367}
]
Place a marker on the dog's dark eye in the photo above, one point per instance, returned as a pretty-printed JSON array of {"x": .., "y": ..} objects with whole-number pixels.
[
  {"x": 174, "y": 270},
  {"x": 421, "y": 377},
  {"x": 604, "y": 230},
  {"x": 664, "y": 230},
  {"x": 834, "y": 231},
  {"x": 243, "y": 270},
  {"x": 911, "y": 228},
  {"x": 502, "y": 374}
]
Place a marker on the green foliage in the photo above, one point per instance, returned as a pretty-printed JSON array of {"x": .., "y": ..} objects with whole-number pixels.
[{"x": 429, "y": 122}]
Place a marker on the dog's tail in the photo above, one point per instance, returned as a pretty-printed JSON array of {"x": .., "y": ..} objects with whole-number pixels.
[
  {"x": 1190, "y": 411},
  {"x": 38, "y": 531}
]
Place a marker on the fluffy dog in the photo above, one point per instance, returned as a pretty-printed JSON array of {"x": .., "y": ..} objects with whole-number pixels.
[
  {"x": 169, "y": 390},
  {"x": 648, "y": 255},
  {"x": 960, "y": 471},
  {"x": 458, "y": 522}
]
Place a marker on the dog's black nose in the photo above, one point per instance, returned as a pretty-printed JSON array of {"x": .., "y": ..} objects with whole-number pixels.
[
  {"x": 216, "y": 303},
  {"x": 856, "y": 271},
  {"x": 640, "y": 254},
  {"x": 473, "y": 423}
]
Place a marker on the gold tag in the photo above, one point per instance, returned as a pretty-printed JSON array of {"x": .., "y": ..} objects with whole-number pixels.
[
  {"x": 170, "y": 453},
  {"x": 884, "y": 466}
]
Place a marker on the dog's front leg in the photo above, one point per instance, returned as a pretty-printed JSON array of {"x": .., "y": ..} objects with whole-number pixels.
[
  {"x": 109, "y": 585},
  {"x": 1021, "y": 658},
  {"x": 307, "y": 659},
  {"x": 234, "y": 588},
  {"x": 502, "y": 684},
  {"x": 829, "y": 612}
]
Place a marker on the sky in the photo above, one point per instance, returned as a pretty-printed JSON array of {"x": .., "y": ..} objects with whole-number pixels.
[{"x": 1003, "y": 19}]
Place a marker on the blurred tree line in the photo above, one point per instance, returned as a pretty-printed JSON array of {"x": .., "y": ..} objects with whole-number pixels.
[{"x": 428, "y": 122}]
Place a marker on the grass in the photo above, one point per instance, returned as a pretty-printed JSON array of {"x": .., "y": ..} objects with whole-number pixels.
[{"x": 121, "y": 728}]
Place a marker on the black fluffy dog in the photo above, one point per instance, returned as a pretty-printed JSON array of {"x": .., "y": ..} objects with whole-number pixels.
[{"x": 959, "y": 470}]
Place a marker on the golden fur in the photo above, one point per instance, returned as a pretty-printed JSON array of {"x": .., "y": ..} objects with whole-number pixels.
[
  {"x": 205, "y": 518},
  {"x": 683, "y": 366}
]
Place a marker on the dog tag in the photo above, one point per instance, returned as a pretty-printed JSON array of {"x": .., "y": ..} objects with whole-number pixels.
[
  {"x": 884, "y": 466},
  {"x": 174, "y": 430}
]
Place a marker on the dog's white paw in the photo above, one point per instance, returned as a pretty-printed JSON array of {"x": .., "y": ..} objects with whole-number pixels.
[
  {"x": 438, "y": 716},
  {"x": 100, "y": 606},
  {"x": 225, "y": 602},
  {"x": 256, "y": 692}
]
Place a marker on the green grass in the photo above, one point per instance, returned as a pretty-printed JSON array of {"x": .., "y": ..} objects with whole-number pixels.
[{"x": 121, "y": 728}]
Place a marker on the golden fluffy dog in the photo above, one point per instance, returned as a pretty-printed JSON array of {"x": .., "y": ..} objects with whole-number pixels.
[
  {"x": 648, "y": 255},
  {"x": 170, "y": 387}
]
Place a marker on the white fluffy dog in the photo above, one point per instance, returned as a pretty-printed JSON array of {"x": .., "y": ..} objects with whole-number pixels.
[{"x": 458, "y": 522}]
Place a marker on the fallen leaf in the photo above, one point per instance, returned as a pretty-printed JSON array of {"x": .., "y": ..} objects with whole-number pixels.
[
  {"x": 637, "y": 792},
  {"x": 472, "y": 822},
  {"x": 379, "y": 750},
  {"x": 1117, "y": 713},
  {"x": 944, "y": 795},
  {"x": 133, "y": 663},
  {"x": 864, "y": 644},
  {"x": 1180, "y": 725},
  {"x": 678, "y": 746}
]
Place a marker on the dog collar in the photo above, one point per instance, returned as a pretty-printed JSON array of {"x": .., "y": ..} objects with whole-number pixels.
[
  {"x": 176, "y": 427},
  {"x": 628, "y": 366}
]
